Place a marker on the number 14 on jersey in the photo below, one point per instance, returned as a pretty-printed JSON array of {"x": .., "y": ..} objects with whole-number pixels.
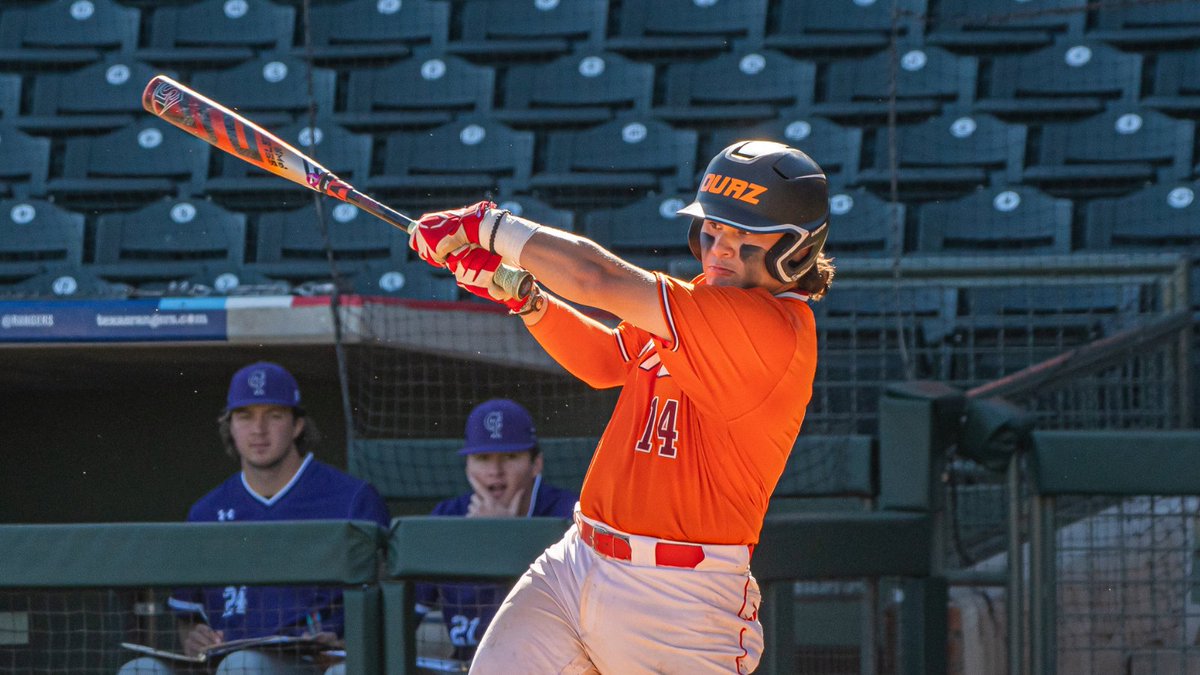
[{"x": 660, "y": 423}]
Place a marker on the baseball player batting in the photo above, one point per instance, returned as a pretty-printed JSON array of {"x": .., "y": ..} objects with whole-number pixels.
[{"x": 654, "y": 576}]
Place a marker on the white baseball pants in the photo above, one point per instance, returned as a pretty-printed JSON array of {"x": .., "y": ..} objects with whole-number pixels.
[{"x": 578, "y": 611}]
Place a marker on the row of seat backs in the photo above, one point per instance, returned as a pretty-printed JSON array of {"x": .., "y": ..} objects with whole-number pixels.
[
  {"x": 216, "y": 29},
  {"x": 416, "y": 469},
  {"x": 1074, "y": 76}
]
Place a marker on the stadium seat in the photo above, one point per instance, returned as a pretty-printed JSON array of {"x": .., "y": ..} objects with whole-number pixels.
[
  {"x": 426, "y": 90},
  {"x": 290, "y": 244},
  {"x": 413, "y": 280},
  {"x": 627, "y": 156},
  {"x": 947, "y": 154},
  {"x": 863, "y": 224},
  {"x": 65, "y": 33},
  {"x": 836, "y": 148},
  {"x": 537, "y": 210},
  {"x": 499, "y": 30},
  {"x": 1176, "y": 89},
  {"x": 10, "y": 96},
  {"x": 1073, "y": 76},
  {"x": 738, "y": 86},
  {"x": 1006, "y": 220},
  {"x": 986, "y": 26},
  {"x": 926, "y": 78},
  {"x": 463, "y": 159},
  {"x": 834, "y": 28},
  {"x": 646, "y": 229},
  {"x": 101, "y": 97},
  {"x": 673, "y": 29},
  {"x": 1149, "y": 25},
  {"x": 1121, "y": 148},
  {"x": 36, "y": 235},
  {"x": 1163, "y": 217},
  {"x": 170, "y": 239},
  {"x": 146, "y": 159},
  {"x": 64, "y": 282},
  {"x": 272, "y": 89},
  {"x": 372, "y": 30},
  {"x": 218, "y": 32},
  {"x": 239, "y": 184},
  {"x": 24, "y": 162},
  {"x": 584, "y": 88}
]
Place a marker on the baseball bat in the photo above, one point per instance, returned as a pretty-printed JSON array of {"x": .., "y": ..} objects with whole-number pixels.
[{"x": 227, "y": 130}]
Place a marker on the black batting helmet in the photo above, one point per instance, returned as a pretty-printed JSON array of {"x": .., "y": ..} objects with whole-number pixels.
[{"x": 766, "y": 187}]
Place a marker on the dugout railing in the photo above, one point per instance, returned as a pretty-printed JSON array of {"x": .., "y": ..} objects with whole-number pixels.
[{"x": 71, "y": 594}]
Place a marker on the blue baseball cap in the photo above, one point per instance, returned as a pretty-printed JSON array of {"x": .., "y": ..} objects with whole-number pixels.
[
  {"x": 263, "y": 383},
  {"x": 499, "y": 425}
]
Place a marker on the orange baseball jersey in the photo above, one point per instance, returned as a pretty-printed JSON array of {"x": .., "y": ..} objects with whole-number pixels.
[{"x": 706, "y": 420}]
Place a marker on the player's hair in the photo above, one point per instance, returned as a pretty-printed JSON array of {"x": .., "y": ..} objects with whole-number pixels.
[
  {"x": 308, "y": 439},
  {"x": 817, "y": 280}
]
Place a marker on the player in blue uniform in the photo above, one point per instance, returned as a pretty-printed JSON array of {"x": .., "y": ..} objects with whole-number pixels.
[
  {"x": 265, "y": 427},
  {"x": 504, "y": 468}
]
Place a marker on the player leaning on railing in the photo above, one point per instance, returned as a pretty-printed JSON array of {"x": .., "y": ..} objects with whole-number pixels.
[{"x": 716, "y": 374}]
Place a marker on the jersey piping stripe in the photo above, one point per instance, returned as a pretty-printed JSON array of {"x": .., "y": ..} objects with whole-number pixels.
[
  {"x": 286, "y": 488},
  {"x": 795, "y": 295},
  {"x": 621, "y": 346},
  {"x": 662, "y": 285},
  {"x": 537, "y": 485}
]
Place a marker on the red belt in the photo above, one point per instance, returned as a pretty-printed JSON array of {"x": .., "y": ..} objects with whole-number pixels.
[{"x": 616, "y": 546}]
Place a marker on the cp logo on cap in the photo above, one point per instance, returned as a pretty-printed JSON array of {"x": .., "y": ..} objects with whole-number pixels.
[
  {"x": 258, "y": 381},
  {"x": 494, "y": 423}
]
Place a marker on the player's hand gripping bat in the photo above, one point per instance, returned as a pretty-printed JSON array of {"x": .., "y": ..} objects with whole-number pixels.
[{"x": 217, "y": 125}]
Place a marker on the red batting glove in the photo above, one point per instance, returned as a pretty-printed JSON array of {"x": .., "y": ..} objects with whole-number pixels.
[
  {"x": 439, "y": 234},
  {"x": 473, "y": 268}
]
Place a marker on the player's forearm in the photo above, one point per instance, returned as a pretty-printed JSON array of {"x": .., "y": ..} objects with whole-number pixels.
[{"x": 585, "y": 347}]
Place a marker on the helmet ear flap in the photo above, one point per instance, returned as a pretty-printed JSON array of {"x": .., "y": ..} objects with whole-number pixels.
[{"x": 694, "y": 238}]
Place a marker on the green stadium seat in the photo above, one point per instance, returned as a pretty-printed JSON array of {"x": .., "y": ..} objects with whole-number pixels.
[
  {"x": 1148, "y": 26},
  {"x": 355, "y": 31},
  {"x": 242, "y": 184},
  {"x": 171, "y": 239},
  {"x": 537, "y": 210},
  {"x": 948, "y": 154},
  {"x": 647, "y": 228},
  {"x": 865, "y": 225},
  {"x": 36, "y": 235},
  {"x": 426, "y": 90},
  {"x": 997, "y": 220},
  {"x": 926, "y": 79},
  {"x": 1072, "y": 77},
  {"x": 499, "y": 30},
  {"x": 584, "y": 88},
  {"x": 1176, "y": 89},
  {"x": 64, "y": 282},
  {"x": 986, "y": 26},
  {"x": 737, "y": 86},
  {"x": 673, "y": 29},
  {"x": 290, "y": 245},
  {"x": 101, "y": 97},
  {"x": 1123, "y": 147},
  {"x": 1160, "y": 217},
  {"x": 24, "y": 162},
  {"x": 414, "y": 280},
  {"x": 65, "y": 33},
  {"x": 272, "y": 89},
  {"x": 837, "y": 149},
  {"x": 472, "y": 155},
  {"x": 10, "y": 96},
  {"x": 630, "y": 155},
  {"x": 216, "y": 32},
  {"x": 146, "y": 159},
  {"x": 832, "y": 28}
]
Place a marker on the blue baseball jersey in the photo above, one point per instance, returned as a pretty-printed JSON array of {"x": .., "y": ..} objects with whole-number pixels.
[
  {"x": 468, "y": 609},
  {"x": 317, "y": 492}
]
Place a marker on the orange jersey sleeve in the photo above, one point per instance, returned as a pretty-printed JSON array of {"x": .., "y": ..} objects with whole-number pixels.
[
  {"x": 706, "y": 418},
  {"x": 589, "y": 350}
]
